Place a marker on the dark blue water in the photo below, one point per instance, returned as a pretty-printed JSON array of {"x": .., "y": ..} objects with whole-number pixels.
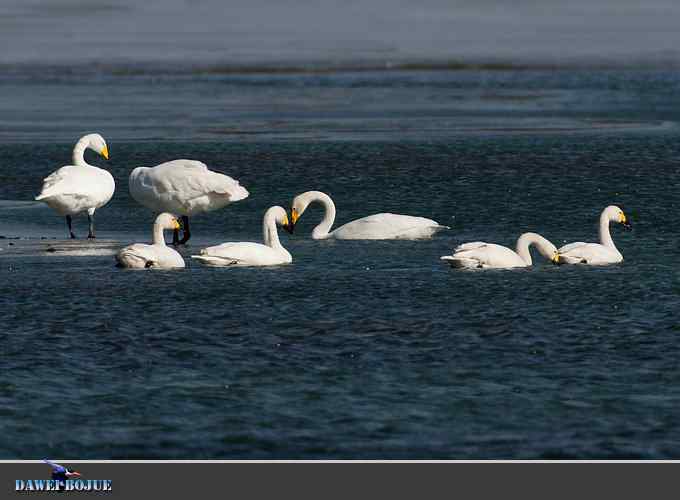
[{"x": 357, "y": 349}]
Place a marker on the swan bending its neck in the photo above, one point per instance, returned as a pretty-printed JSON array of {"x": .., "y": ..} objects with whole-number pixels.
[
  {"x": 546, "y": 248},
  {"x": 91, "y": 141},
  {"x": 302, "y": 201},
  {"x": 271, "y": 235}
]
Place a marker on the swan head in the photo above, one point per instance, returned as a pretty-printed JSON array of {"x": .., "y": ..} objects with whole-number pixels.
[
  {"x": 302, "y": 201},
  {"x": 168, "y": 221},
  {"x": 300, "y": 204},
  {"x": 96, "y": 143},
  {"x": 555, "y": 259},
  {"x": 280, "y": 217},
  {"x": 615, "y": 214}
]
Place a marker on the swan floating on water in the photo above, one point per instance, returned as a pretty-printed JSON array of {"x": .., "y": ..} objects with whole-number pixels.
[
  {"x": 157, "y": 255},
  {"x": 79, "y": 187},
  {"x": 184, "y": 187},
  {"x": 479, "y": 254},
  {"x": 384, "y": 226},
  {"x": 601, "y": 253},
  {"x": 271, "y": 253}
]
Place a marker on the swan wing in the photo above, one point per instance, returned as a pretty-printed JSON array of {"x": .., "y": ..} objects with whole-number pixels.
[
  {"x": 141, "y": 255},
  {"x": 386, "y": 226},
  {"x": 73, "y": 180},
  {"x": 137, "y": 256},
  {"x": 484, "y": 255},
  {"x": 571, "y": 246},
  {"x": 184, "y": 186},
  {"x": 589, "y": 253},
  {"x": 242, "y": 254},
  {"x": 470, "y": 246}
]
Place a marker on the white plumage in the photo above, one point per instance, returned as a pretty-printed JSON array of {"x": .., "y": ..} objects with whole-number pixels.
[
  {"x": 270, "y": 253},
  {"x": 157, "y": 255},
  {"x": 383, "y": 226},
  {"x": 601, "y": 253},
  {"x": 479, "y": 254},
  {"x": 79, "y": 187},
  {"x": 184, "y": 187}
]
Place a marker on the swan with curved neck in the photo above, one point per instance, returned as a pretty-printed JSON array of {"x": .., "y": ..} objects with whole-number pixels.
[
  {"x": 483, "y": 255},
  {"x": 184, "y": 187},
  {"x": 271, "y": 253},
  {"x": 383, "y": 226},
  {"x": 157, "y": 255},
  {"x": 601, "y": 253},
  {"x": 80, "y": 187}
]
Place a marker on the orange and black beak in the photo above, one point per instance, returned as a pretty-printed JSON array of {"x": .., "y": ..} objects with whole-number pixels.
[
  {"x": 287, "y": 225},
  {"x": 294, "y": 216},
  {"x": 626, "y": 222}
]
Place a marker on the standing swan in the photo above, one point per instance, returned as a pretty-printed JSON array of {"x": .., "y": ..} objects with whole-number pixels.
[
  {"x": 158, "y": 255},
  {"x": 601, "y": 253},
  {"x": 184, "y": 187},
  {"x": 491, "y": 256},
  {"x": 271, "y": 253},
  {"x": 383, "y": 226},
  {"x": 79, "y": 187}
]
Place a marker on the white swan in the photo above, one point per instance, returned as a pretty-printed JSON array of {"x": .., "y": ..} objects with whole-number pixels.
[
  {"x": 157, "y": 255},
  {"x": 601, "y": 253},
  {"x": 271, "y": 253},
  {"x": 489, "y": 255},
  {"x": 383, "y": 226},
  {"x": 184, "y": 187},
  {"x": 79, "y": 187}
]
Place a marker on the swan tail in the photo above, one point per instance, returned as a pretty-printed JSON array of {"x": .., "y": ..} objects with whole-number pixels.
[
  {"x": 469, "y": 246},
  {"x": 460, "y": 262},
  {"x": 223, "y": 184},
  {"x": 571, "y": 259},
  {"x": 128, "y": 258},
  {"x": 48, "y": 192},
  {"x": 213, "y": 260}
]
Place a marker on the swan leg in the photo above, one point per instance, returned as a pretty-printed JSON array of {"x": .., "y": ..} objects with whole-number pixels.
[
  {"x": 90, "y": 234},
  {"x": 69, "y": 223},
  {"x": 185, "y": 229}
]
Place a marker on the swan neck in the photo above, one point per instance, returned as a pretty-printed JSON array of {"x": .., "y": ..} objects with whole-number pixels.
[
  {"x": 526, "y": 240},
  {"x": 523, "y": 250},
  {"x": 271, "y": 235},
  {"x": 158, "y": 238},
  {"x": 605, "y": 235},
  {"x": 79, "y": 153},
  {"x": 323, "y": 228}
]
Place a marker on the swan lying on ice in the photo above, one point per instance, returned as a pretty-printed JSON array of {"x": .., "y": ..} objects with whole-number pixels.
[{"x": 157, "y": 255}]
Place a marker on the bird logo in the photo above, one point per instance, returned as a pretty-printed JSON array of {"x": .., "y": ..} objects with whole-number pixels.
[{"x": 61, "y": 473}]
